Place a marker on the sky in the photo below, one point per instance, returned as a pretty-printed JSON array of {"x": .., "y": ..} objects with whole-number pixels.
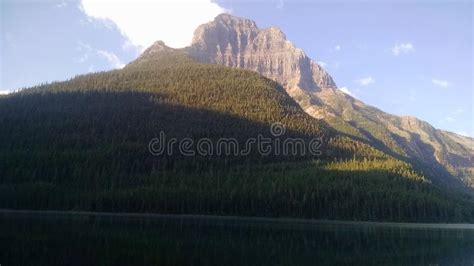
[{"x": 404, "y": 57}]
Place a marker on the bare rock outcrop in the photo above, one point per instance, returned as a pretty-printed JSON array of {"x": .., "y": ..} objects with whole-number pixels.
[{"x": 238, "y": 42}]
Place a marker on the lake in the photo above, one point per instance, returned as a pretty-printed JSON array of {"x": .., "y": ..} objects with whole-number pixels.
[{"x": 55, "y": 238}]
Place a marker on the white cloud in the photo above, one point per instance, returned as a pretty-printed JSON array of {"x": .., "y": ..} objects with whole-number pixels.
[
  {"x": 111, "y": 58},
  {"x": 365, "y": 81},
  {"x": 449, "y": 119},
  {"x": 458, "y": 111},
  {"x": 440, "y": 83},
  {"x": 337, "y": 48},
  {"x": 3, "y": 92},
  {"x": 88, "y": 51},
  {"x": 322, "y": 63},
  {"x": 147, "y": 21},
  {"x": 83, "y": 58},
  {"x": 403, "y": 48},
  {"x": 332, "y": 64},
  {"x": 84, "y": 49},
  {"x": 346, "y": 91},
  {"x": 61, "y": 4},
  {"x": 452, "y": 117},
  {"x": 462, "y": 133},
  {"x": 446, "y": 120}
]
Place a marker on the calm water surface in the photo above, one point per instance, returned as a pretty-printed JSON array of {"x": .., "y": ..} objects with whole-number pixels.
[{"x": 54, "y": 239}]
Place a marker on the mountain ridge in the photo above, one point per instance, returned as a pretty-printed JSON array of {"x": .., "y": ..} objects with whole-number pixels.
[{"x": 237, "y": 42}]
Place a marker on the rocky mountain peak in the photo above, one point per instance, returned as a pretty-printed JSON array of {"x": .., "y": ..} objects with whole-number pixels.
[
  {"x": 238, "y": 42},
  {"x": 275, "y": 31},
  {"x": 234, "y": 21},
  {"x": 158, "y": 46}
]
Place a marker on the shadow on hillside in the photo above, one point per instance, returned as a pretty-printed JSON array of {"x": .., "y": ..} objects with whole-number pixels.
[
  {"x": 115, "y": 129},
  {"x": 427, "y": 165},
  {"x": 89, "y": 151},
  {"x": 430, "y": 165}
]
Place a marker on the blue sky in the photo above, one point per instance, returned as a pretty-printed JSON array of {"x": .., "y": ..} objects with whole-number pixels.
[{"x": 407, "y": 58}]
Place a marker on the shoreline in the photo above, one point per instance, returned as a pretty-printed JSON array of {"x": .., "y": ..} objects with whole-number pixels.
[{"x": 237, "y": 219}]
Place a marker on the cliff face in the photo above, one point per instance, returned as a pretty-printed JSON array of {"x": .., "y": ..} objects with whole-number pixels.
[{"x": 238, "y": 42}]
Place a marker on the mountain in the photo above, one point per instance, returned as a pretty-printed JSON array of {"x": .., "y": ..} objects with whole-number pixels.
[
  {"x": 238, "y": 42},
  {"x": 90, "y": 143}
]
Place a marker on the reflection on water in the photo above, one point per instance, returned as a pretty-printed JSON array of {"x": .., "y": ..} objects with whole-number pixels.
[{"x": 92, "y": 240}]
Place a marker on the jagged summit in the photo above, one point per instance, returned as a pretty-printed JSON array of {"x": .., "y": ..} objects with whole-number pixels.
[
  {"x": 238, "y": 42},
  {"x": 159, "y": 54},
  {"x": 232, "y": 20},
  {"x": 157, "y": 46}
]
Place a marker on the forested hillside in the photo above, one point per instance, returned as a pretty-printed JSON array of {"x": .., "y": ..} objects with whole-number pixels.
[
  {"x": 83, "y": 144},
  {"x": 447, "y": 159}
]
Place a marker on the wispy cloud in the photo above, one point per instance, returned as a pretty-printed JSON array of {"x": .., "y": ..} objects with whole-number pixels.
[
  {"x": 453, "y": 116},
  {"x": 347, "y": 91},
  {"x": 403, "y": 48},
  {"x": 462, "y": 133},
  {"x": 61, "y": 4},
  {"x": 322, "y": 63},
  {"x": 440, "y": 83},
  {"x": 331, "y": 64},
  {"x": 449, "y": 119},
  {"x": 458, "y": 111},
  {"x": 365, "y": 81},
  {"x": 87, "y": 51},
  {"x": 82, "y": 58},
  {"x": 112, "y": 58},
  {"x": 336, "y": 48}
]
